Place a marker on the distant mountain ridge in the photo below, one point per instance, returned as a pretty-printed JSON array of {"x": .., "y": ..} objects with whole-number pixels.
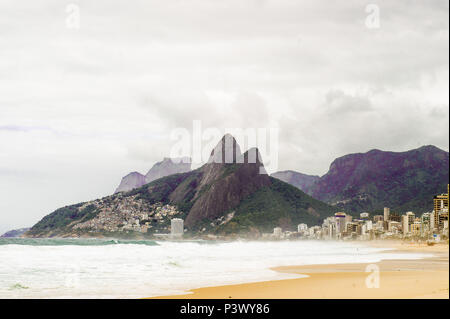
[
  {"x": 130, "y": 181},
  {"x": 222, "y": 198},
  {"x": 376, "y": 179},
  {"x": 299, "y": 180},
  {"x": 15, "y": 233},
  {"x": 166, "y": 167}
]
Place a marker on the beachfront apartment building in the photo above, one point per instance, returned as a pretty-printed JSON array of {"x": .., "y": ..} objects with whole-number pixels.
[
  {"x": 302, "y": 228},
  {"x": 407, "y": 221},
  {"x": 176, "y": 228},
  {"x": 378, "y": 218},
  {"x": 394, "y": 227},
  {"x": 277, "y": 232},
  {"x": 440, "y": 212},
  {"x": 416, "y": 227},
  {"x": 340, "y": 220},
  {"x": 386, "y": 213}
]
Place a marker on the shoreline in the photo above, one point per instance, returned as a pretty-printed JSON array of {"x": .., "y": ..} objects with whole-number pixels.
[{"x": 398, "y": 279}]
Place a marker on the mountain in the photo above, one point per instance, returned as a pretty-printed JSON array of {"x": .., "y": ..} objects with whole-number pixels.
[
  {"x": 299, "y": 180},
  {"x": 376, "y": 179},
  {"x": 229, "y": 194},
  {"x": 167, "y": 166},
  {"x": 131, "y": 181},
  {"x": 15, "y": 233}
]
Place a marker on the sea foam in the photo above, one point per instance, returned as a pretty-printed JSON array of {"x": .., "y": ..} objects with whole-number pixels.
[{"x": 75, "y": 268}]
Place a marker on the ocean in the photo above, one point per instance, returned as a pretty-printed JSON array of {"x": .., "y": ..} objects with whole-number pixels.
[{"x": 105, "y": 268}]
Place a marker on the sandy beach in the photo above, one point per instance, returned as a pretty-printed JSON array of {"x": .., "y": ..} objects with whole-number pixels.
[{"x": 422, "y": 278}]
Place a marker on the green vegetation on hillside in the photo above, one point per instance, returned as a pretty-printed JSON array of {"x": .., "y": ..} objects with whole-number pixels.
[
  {"x": 62, "y": 217},
  {"x": 160, "y": 189},
  {"x": 402, "y": 181},
  {"x": 279, "y": 204}
]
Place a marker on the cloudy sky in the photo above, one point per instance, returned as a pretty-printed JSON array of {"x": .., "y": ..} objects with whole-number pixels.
[{"x": 91, "y": 90}]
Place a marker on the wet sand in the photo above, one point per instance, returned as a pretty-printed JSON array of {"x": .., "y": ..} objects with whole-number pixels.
[{"x": 422, "y": 278}]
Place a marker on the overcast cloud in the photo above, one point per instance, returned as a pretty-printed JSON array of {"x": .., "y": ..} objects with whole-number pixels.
[{"x": 80, "y": 108}]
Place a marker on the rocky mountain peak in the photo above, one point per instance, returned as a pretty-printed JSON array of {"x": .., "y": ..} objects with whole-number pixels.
[
  {"x": 227, "y": 151},
  {"x": 168, "y": 166},
  {"x": 131, "y": 181}
]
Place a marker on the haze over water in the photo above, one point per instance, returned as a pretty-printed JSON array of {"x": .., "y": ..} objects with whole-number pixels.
[{"x": 90, "y": 268}]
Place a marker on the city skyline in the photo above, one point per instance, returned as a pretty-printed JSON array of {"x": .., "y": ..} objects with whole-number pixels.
[{"x": 391, "y": 225}]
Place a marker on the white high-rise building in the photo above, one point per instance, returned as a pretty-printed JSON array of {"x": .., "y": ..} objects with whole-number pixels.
[
  {"x": 302, "y": 228},
  {"x": 387, "y": 212},
  {"x": 332, "y": 231},
  {"x": 340, "y": 222},
  {"x": 432, "y": 220},
  {"x": 176, "y": 228},
  {"x": 407, "y": 221}
]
